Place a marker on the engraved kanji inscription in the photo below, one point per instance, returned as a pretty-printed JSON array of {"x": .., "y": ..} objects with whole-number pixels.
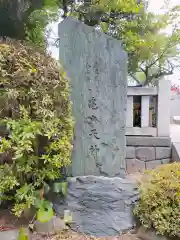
[
  {"x": 93, "y": 150},
  {"x": 94, "y": 133},
  {"x": 92, "y": 103},
  {"x": 91, "y": 120}
]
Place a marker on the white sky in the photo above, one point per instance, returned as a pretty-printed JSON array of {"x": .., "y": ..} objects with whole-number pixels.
[{"x": 156, "y": 6}]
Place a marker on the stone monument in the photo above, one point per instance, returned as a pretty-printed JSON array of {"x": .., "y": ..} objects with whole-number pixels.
[
  {"x": 97, "y": 68},
  {"x": 101, "y": 204}
]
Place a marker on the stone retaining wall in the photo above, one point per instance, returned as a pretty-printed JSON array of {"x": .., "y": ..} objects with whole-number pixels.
[{"x": 146, "y": 153}]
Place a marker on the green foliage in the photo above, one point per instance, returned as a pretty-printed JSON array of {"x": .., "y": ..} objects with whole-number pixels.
[
  {"x": 28, "y": 19},
  {"x": 37, "y": 22},
  {"x": 39, "y": 122},
  {"x": 159, "y": 205},
  {"x": 152, "y": 53},
  {"x": 22, "y": 235}
]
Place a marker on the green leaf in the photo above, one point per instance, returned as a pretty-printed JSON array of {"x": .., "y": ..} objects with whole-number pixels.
[
  {"x": 45, "y": 215},
  {"x": 104, "y": 27},
  {"x": 64, "y": 188},
  {"x": 60, "y": 187},
  {"x": 23, "y": 235}
]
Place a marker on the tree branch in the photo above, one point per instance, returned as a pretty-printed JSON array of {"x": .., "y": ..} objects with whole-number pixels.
[
  {"x": 135, "y": 78},
  {"x": 158, "y": 75}
]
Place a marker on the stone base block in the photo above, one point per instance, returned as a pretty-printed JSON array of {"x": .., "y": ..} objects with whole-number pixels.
[
  {"x": 130, "y": 152},
  {"x": 147, "y": 153},
  {"x": 138, "y": 166},
  {"x": 100, "y": 206},
  {"x": 148, "y": 141},
  {"x": 153, "y": 164},
  {"x": 134, "y": 166},
  {"x": 162, "y": 152}
]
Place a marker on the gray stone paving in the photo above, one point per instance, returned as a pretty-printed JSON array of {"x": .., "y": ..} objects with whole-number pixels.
[{"x": 9, "y": 235}]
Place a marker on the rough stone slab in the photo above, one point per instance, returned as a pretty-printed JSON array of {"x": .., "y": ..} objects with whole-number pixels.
[
  {"x": 148, "y": 141},
  {"x": 97, "y": 66},
  {"x": 153, "y": 164},
  {"x": 145, "y": 153},
  {"x": 130, "y": 152},
  {"x": 163, "y": 152},
  {"x": 134, "y": 166},
  {"x": 100, "y": 206}
]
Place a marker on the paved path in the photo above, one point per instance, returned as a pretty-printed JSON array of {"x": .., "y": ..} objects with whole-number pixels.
[
  {"x": 175, "y": 139},
  {"x": 9, "y": 235},
  {"x": 175, "y": 133}
]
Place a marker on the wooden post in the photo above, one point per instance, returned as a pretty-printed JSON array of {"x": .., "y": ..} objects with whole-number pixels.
[{"x": 163, "y": 116}]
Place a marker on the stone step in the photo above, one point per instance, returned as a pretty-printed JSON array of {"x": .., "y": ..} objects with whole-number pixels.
[{"x": 148, "y": 141}]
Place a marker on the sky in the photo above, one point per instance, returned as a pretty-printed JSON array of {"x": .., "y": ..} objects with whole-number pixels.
[
  {"x": 155, "y": 6},
  {"x": 158, "y": 6}
]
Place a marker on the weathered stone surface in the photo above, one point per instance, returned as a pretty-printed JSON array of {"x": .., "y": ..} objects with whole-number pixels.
[
  {"x": 145, "y": 153},
  {"x": 163, "y": 152},
  {"x": 55, "y": 225},
  {"x": 100, "y": 206},
  {"x": 97, "y": 66},
  {"x": 165, "y": 161},
  {"x": 130, "y": 152},
  {"x": 153, "y": 164},
  {"x": 134, "y": 166},
  {"x": 148, "y": 141}
]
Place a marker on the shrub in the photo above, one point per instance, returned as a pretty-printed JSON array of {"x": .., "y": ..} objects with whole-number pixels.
[
  {"x": 36, "y": 111},
  {"x": 159, "y": 205}
]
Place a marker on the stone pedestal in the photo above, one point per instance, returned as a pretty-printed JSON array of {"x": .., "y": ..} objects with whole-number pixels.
[{"x": 100, "y": 206}]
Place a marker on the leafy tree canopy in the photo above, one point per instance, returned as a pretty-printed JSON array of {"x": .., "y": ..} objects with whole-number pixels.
[
  {"x": 27, "y": 19},
  {"x": 152, "y": 53}
]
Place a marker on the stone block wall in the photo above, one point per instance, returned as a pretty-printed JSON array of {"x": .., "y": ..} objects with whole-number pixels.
[
  {"x": 146, "y": 153},
  {"x": 175, "y": 152}
]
